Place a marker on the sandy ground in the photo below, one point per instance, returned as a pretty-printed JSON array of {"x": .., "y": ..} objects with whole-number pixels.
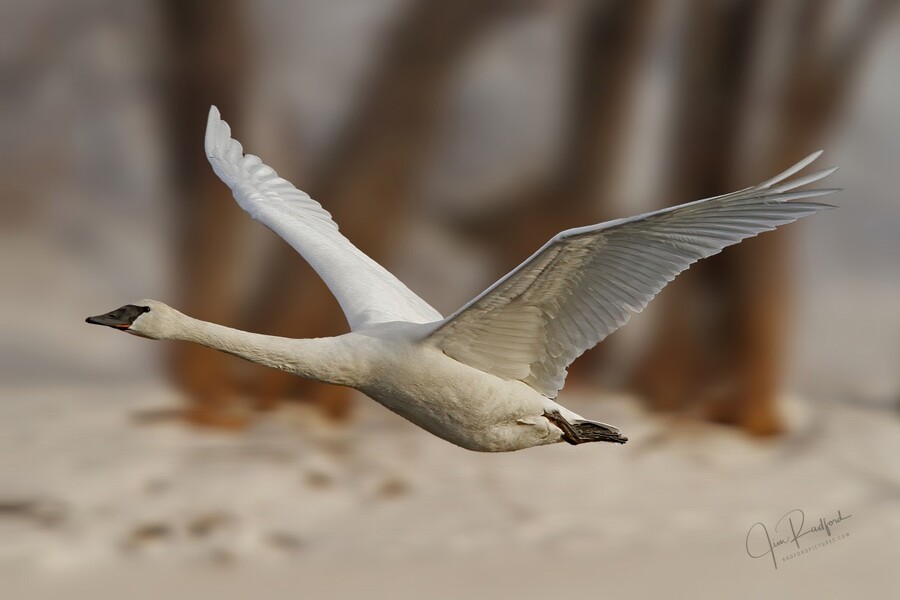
[{"x": 99, "y": 500}]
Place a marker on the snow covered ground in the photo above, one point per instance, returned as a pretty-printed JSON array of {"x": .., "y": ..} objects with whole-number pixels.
[{"x": 101, "y": 498}]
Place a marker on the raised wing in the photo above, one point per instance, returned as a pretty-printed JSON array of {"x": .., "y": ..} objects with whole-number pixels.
[
  {"x": 585, "y": 283},
  {"x": 366, "y": 291}
]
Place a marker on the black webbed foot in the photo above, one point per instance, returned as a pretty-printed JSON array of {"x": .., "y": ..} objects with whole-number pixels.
[{"x": 580, "y": 432}]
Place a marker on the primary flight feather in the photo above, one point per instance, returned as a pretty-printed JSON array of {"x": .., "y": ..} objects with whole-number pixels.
[{"x": 484, "y": 378}]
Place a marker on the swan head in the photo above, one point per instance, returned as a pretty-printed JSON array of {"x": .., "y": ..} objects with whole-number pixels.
[{"x": 145, "y": 318}]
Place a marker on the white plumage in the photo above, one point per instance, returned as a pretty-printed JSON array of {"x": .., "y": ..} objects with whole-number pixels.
[
  {"x": 587, "y": 282},
  {"x": 367, "y": 292},
  {"x": 485, "y": 377}
]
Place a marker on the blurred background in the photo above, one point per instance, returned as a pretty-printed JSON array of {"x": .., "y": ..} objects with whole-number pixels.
[{"x": 449, "y": 140}]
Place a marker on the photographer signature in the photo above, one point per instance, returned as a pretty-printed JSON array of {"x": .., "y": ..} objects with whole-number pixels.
[{"x": 764, "y": 544}]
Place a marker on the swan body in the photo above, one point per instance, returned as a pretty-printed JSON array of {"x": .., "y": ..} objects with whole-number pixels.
[
  {"x": 484, "y": 378},
  {"x": 393, "y": 364}
]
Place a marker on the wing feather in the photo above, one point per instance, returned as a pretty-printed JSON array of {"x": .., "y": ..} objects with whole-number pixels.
[
  {"x": 366, "y": 291},
  {"x": 587, "y": 282}
]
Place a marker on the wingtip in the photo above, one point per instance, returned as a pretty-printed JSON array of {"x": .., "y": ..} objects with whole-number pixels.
[
  {"x": 811, "y": 158},
  {"x": 827, "y": 191},
  {"x": 793, "y": 184},
  {"x": 213, "y": 118},
  {"x": 792, "y": 170},
  {"x": 214, "y": 125},
  {"x": 826, "y": 205}
]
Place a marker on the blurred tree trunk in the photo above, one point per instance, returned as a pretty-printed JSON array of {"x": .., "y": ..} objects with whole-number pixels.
[
  {"x": 742, "y": 346},
  {"x": 607, "y": 56},
  {"x": 206, "y": 65},
  {"x": 366, "y": 183},
  {"x": 823, "y": 70},
  {"x": 713, "y": 66}
]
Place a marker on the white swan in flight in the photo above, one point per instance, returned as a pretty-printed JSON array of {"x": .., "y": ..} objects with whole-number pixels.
[{"x": 485, "y": 377}]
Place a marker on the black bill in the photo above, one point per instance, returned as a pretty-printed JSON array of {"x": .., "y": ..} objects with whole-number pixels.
[{"x": 121, "y": 318}]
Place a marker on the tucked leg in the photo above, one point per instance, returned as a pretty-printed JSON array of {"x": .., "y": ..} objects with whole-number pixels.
[{"x": 580, "y": 432}]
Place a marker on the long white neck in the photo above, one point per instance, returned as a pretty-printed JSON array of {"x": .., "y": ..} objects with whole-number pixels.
[{"x": 322, "y": 359}]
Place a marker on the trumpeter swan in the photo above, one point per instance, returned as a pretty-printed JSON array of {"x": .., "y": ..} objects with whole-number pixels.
[{"x": 485, "y": 377}]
